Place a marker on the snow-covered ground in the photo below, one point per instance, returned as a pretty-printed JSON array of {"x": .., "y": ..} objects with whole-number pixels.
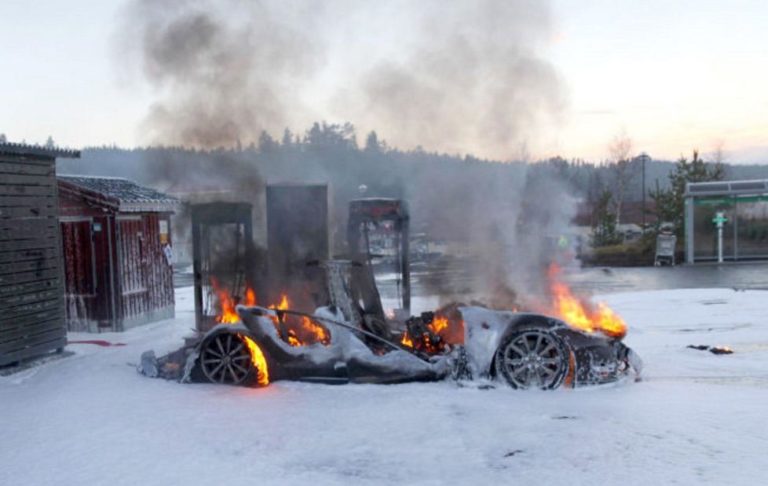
[{"x": 697, "y": 418}]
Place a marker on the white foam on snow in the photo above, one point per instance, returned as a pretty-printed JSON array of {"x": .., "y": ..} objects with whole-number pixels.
[{"x": 696, "y": 419}]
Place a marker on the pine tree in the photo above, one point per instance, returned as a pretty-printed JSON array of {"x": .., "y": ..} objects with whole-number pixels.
[
  {"x": 287, "y": 138},
  {"x": 372, "y": 143},
  {"x": 670, "y": 203},
  {"x": 267, "y": 144},
  {"x": 604, "y": 221}
]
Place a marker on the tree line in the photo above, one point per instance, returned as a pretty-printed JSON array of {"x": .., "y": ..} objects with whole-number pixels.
[{"x": 441, "y": 188}]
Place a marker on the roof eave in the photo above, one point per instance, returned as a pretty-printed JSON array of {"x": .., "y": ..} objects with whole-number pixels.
[
  {"x": 89, "y": 195},
  {"x": 147, "y": 207},
  {"x": 8, "y": 148}
]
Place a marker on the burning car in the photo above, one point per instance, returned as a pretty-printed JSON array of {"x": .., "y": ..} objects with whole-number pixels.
[
  {"x": 352, "y": 339},
  {"x": 521, "y": 349}
]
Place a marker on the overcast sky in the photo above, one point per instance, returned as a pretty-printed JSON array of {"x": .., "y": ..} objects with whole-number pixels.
[{"x": 671, "y": 75}]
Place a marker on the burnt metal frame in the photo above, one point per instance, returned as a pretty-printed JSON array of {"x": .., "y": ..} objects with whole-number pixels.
[
  {"x": 214, "y": 214},
  {"x": 297, "y": 236},
  {"x": 377, "y": 210}
]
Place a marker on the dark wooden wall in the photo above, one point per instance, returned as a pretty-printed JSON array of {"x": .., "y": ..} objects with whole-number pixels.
[{"x": 31, "y": 284}]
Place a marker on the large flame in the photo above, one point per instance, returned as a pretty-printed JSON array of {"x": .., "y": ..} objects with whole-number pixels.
[
  {"x": 581, "y": 314},
  {"x": 258, "y": 360},
  {"x": 228, "y": 315},
  {"x": 296, "y": 331}
]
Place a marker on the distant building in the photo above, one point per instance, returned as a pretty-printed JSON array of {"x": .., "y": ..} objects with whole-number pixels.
[
  {"x": 116, "y": 237},
  {"x": 31, "y": 283}
]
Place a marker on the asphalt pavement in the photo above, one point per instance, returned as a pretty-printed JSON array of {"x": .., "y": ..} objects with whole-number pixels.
[{"x": 601, "y": 280}]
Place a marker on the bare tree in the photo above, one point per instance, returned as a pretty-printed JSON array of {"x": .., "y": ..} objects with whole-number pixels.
[
  {"x": 622, "y": 169},
  {"x": 718, "y": 153}
]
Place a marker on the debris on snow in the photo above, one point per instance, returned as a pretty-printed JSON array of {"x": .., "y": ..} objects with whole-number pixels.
[{"x": 711, "y": 349}]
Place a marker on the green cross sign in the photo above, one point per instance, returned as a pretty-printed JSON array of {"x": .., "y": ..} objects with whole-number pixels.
[{"x": 719, "y": 219}]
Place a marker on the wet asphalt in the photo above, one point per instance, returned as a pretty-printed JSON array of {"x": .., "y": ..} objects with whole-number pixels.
[
  {"x": 601, "y": 280},
  {"x": 598, "y": 280}
]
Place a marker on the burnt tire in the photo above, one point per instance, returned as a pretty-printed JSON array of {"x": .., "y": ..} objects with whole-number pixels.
[
  {"x": 225, "y": 359},
  {"x": 532, "y": 357},
  {"x": 379, "y": 328}
]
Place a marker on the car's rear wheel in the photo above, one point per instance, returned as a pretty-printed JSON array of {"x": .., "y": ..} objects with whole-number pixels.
[
  {"x": 532, "y": 358},
  {"x": 225, "y": 358}
]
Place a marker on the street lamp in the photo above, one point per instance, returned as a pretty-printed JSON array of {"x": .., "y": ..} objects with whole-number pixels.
[{"x": 643, "y": 157}]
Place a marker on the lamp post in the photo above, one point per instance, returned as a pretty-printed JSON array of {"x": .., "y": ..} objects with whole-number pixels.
[{"x": 643, "y": 157}]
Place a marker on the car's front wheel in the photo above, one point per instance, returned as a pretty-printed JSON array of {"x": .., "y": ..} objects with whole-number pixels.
[
  {"x": 225, "y": 358},
  {"x": 532, "y": 357}
]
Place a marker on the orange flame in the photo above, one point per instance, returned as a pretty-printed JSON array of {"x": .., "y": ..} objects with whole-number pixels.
[
  {"x": 228, "y": 314},
  {"x": 406, "y": 340},
  {"x": 258, "y": 360},
  {"x": 581, "y": 314},
  {"x": 284, "y": 303},
  {"x": 292, "y": 339},
  {"x": 297, "y": 332},
  {"x": 316, "y": 331},
  {"x": 306, "y": 332},
  {"x": 439, "y": 333},
  {"x": 250, "y": 297},
  {"x": 450, "y": 329},
  {"x": 438, "y": 324}
]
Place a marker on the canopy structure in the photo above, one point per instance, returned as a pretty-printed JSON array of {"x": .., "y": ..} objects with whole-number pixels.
[{"x": 741, "y": 207}]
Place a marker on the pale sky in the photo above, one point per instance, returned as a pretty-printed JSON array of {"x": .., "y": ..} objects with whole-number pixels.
[{"x": 672, "y": 75}]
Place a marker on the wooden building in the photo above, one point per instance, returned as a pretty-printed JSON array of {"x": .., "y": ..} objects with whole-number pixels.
[
  {"x": 117, "y": 253},
  {"x": 31, "y": 283}
]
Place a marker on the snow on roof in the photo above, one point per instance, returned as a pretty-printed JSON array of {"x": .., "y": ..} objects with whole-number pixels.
[{"x": 122, "y": 194}]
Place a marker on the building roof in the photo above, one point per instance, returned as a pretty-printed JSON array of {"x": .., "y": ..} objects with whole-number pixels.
[
  {"x": 754, "y": 187},
  {"x": 123, "y": 195},
  {"x": 7, "y": 148}
]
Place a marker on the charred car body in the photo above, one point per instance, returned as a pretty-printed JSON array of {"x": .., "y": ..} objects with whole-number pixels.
[{"x": 355, "y": 341}]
